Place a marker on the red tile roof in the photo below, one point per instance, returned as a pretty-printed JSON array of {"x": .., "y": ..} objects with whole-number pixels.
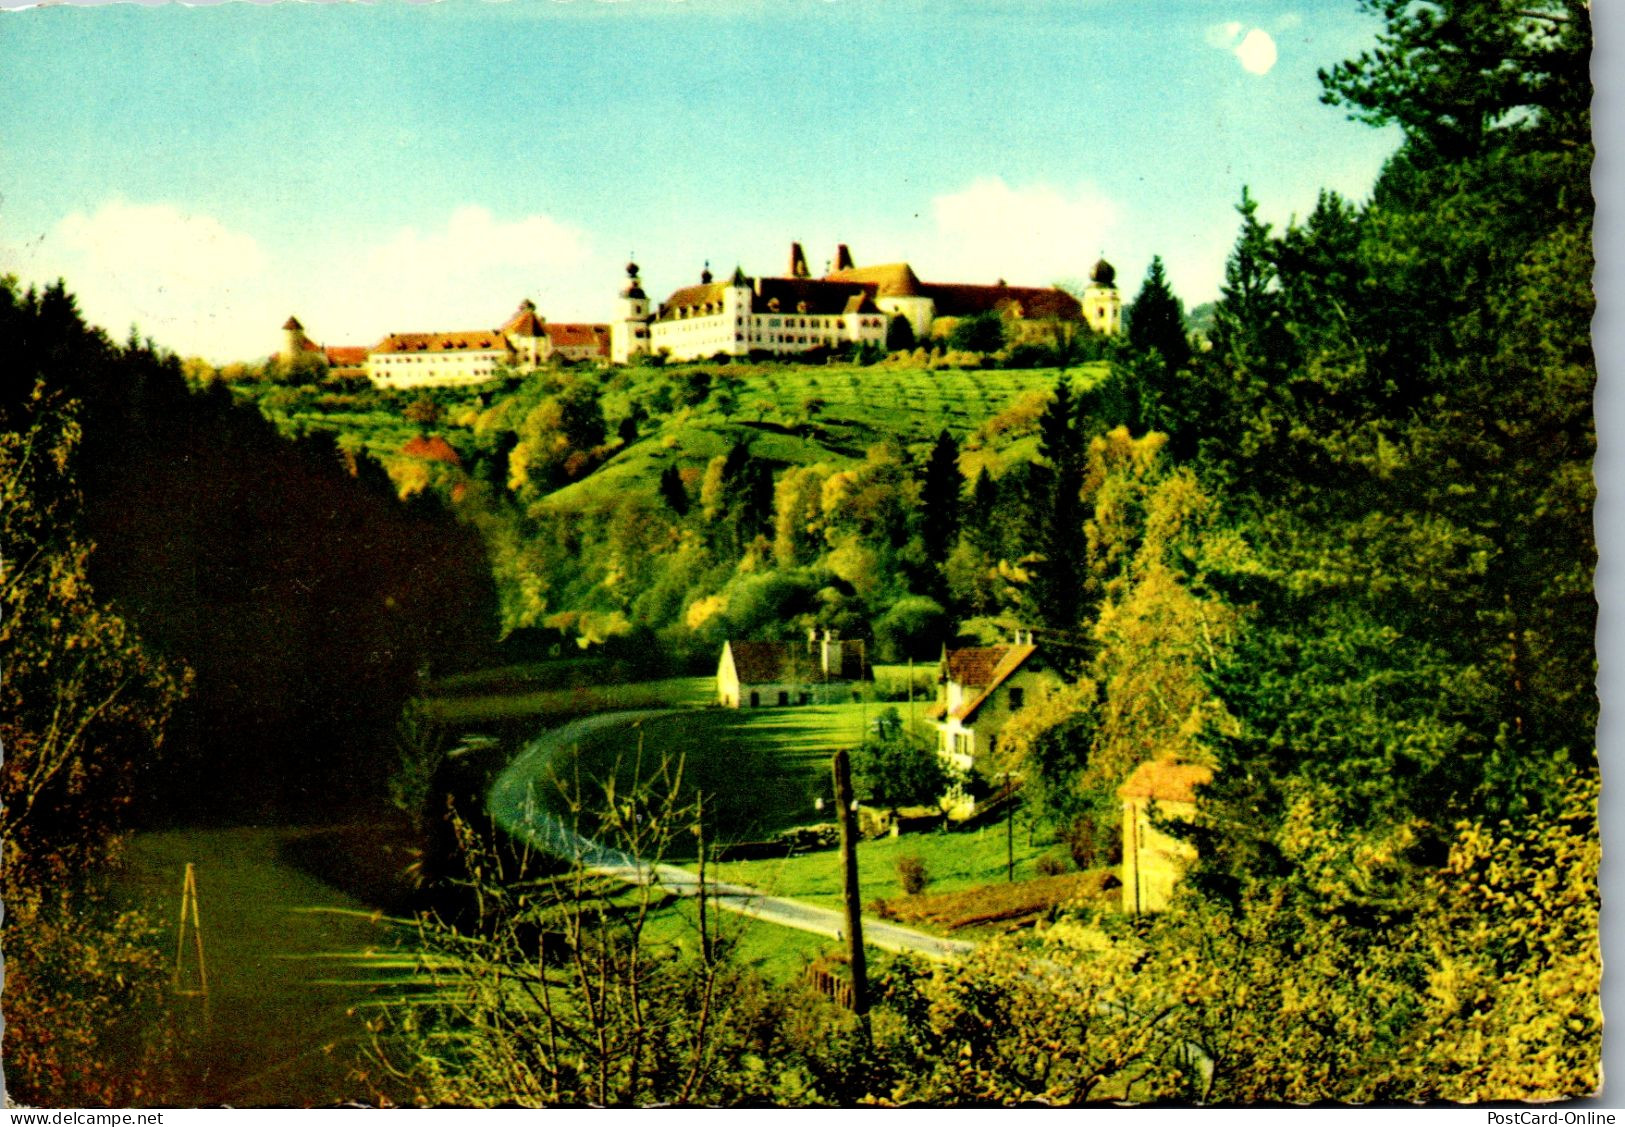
[
  {"x": 346, "y": 355},
  {"x": 984, "y": 668},
  {"x": 431, "y": 448},
  {"x": 476, "y": 340},
  {"x": 579, "y": 336},
  {"x": 762, "y": 663},
  {"x": 766, "y": 663},
  {"x": 894, "y": 279},
  {"x": 1165, "y": 781},
  {"x": 525, "y": 323}
]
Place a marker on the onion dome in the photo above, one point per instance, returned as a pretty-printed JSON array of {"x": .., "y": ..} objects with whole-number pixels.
[
  {"x": 634, "y": 288},
  {"x": 1104, "y": 273}
]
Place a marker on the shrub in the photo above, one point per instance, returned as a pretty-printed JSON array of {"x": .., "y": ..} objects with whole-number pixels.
[
  {"x": 1053, "y": 864},
  {"x": 911, "y": 872},
  {"x": 1093, "y": 844}
]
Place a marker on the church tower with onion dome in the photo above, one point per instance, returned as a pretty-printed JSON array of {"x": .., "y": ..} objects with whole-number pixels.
[
  {"x": 629, "y": 332},
  {"x": 1102, "y": 303}
]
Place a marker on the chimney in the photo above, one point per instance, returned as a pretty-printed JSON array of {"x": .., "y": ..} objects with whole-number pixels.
[
  {"x": 798, "y": 262},
  {"x": 843, "y": 258}
]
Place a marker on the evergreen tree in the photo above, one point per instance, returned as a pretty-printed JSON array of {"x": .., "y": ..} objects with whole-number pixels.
[
  {"x": 1156, "y": 320},
  {"x": 1057, "y": 520},
  {"x": 899, "y": 334},
  {"x": 673, "y": 491},
  {"x": 941, "y": 491}
]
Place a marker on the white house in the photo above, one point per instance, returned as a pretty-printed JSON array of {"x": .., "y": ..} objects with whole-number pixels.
[
  {"x": 778, "y": 674},
  {"x": 979, "y": 689}
]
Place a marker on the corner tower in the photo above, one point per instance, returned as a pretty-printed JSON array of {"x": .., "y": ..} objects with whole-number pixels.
[{"x": 294, "y": 341}]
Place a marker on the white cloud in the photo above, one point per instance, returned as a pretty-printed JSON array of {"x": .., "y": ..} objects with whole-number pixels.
[
  {"x": 1224, "y": 36},
  {"x": 1257, "y": 52},
  {"x": 157, "y": 246},
  {"x": 1033, "y": 235},
  {"x": 199, "y": 287},
  {"x": 179, "y": 276},
  {"x": 1253, "y": 48},
  {"x": 469, "y": 273}
]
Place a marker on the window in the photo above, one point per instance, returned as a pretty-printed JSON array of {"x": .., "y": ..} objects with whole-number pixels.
[
  {"x": 755, "y": 699},
  {"x": 784, "y": 698},
  {"x": 1016, "y": 696}
]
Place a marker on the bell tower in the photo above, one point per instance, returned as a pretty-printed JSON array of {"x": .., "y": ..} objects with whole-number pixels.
[{"x": 629, "y": 332}]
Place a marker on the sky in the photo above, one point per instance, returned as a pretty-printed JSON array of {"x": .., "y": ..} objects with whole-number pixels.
[{"x": 203, "y": 172}]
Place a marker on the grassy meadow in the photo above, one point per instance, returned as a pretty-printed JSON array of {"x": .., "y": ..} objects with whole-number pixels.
[
  {"x": 954, "y": 861},
  {"x": 760, "y": 771}
]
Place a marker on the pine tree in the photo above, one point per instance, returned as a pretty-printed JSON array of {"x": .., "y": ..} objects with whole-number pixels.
[
  {"x": 941, "y": 490},
  {"x": 1156, "y": 320},
  {"x": 1057, "y": 522}
]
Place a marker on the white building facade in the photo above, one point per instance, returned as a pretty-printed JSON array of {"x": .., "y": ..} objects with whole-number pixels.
[
  {"x": 848, "y": 306},
  {"x": 778, "y": 316}
]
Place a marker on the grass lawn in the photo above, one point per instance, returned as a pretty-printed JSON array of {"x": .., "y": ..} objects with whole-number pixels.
[
  {"x": 474, "y": 707},
  {"x": 288, "y": 966},
  {"x": 954, "y": 861},
  {"x": 778, "y": 954},
  {"x": 760, "y": 770}
]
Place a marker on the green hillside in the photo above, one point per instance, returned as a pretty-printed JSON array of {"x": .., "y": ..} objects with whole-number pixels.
[
  {"x": 804, "y": 414},
  {"x": 660, "y": 509}
]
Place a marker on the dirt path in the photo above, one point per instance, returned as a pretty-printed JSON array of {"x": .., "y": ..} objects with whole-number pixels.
[{"x": 512, "y": 805}]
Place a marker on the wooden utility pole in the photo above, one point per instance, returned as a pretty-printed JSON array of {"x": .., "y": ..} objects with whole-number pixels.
[
  {"x": 844, "y": 802},
  {"x": 706, "y": 953},
  {"x": 1009, "y": 831}
]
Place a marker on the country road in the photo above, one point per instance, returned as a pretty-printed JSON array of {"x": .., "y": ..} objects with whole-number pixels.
[{"x": 512, "y": 805}]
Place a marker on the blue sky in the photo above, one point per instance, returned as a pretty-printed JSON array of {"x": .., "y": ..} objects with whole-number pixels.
[{"x": 205, "y": 171}]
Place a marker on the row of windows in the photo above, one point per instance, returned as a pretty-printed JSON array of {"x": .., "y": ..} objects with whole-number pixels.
[{"x": 435, "y": 359}]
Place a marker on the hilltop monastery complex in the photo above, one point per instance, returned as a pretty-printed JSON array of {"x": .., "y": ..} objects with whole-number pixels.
[{"x": 743, "y": 316}]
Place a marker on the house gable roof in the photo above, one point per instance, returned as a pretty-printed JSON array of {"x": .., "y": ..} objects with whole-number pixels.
[
  {"x": 984, "y": 668},
  {"x": 690, "y": 297},
  {"x": 769, "y": 663},
  {"x": 763, "y": 663},
  {"x": 524, "y": 323}
]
